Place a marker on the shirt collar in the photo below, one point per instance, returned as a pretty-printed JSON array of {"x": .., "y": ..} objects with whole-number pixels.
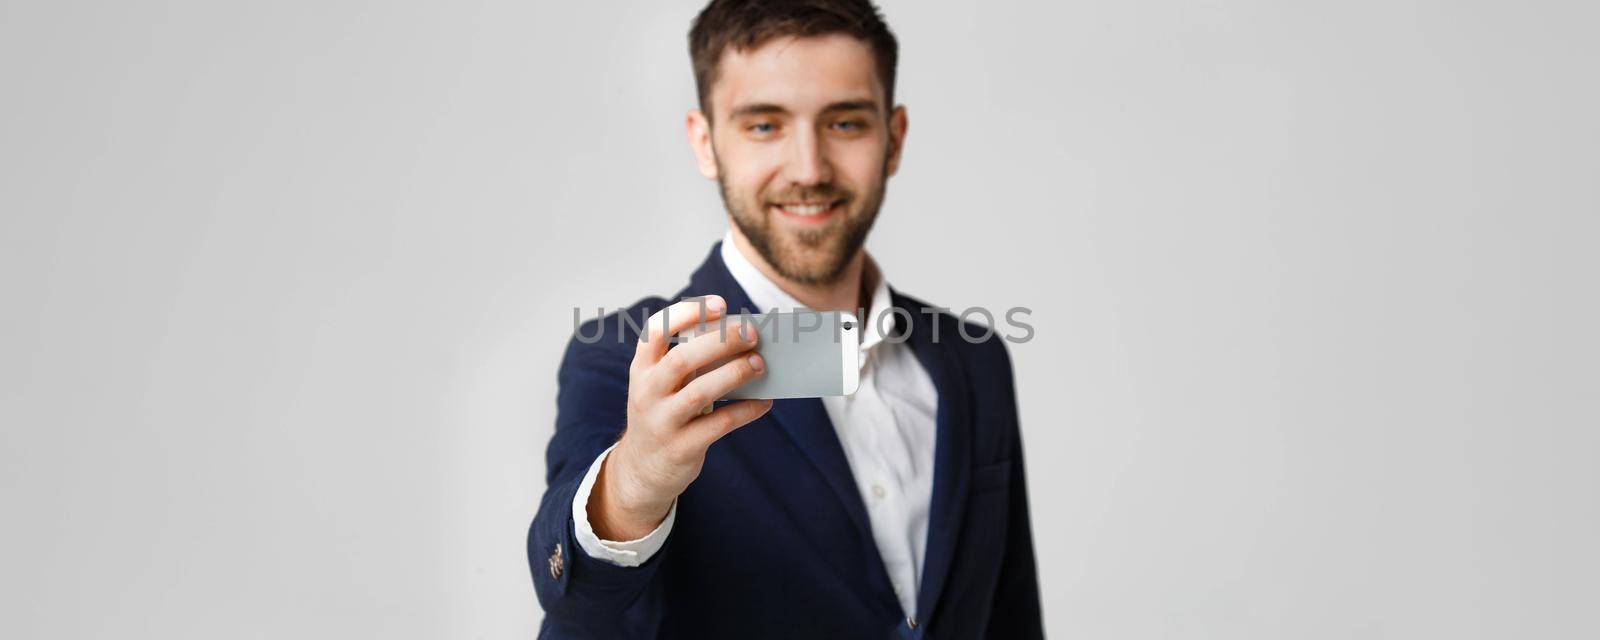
[{"x": 767, "y": 296}]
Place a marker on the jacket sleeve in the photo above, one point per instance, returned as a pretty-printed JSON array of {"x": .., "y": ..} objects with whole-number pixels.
[
  {"x": 584, "y": 596},
  {"x": 1016, "y": 612}
]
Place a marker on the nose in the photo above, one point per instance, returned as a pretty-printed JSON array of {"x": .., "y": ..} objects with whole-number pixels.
[{"x": 808, "y": 164}]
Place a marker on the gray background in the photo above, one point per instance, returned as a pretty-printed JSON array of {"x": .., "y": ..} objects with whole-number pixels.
[{"x": 285, "y": 285}]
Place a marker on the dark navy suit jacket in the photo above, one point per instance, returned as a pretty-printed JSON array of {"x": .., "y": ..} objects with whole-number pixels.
[{"x": 772, "y": 540}]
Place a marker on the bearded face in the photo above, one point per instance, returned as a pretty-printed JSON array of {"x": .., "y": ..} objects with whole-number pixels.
[
  {"x": 802, "y": 145},
  {"x": 808, "y": 233}
]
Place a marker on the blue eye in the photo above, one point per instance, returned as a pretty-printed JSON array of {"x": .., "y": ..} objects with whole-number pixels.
[{"x": 762, "y": 127}]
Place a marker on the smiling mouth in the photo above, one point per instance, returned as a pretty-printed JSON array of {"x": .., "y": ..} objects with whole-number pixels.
[{"x": 809, "y": 211}]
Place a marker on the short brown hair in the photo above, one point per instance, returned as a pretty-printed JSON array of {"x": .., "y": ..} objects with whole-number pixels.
[{"x": 747, "y": 24}]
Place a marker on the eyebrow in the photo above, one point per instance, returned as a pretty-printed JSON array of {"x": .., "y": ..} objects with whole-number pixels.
[
  {"x": 768, "y": 108},
  {"x": 851, "y": 105},
  {"x": 758, "y": 109}
]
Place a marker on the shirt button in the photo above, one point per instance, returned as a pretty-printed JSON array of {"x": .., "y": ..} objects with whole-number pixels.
[
  {"x": 877, "y": 491},
  {"x": 911, "y": 623}
]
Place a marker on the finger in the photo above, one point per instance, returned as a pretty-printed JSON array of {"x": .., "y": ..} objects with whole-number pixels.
[
  {"x": 703, "y": 351},
  {"x": 666, "y": 322},
  {"x": 710, "y": 428},
  {"x": 714, "y": 384}
]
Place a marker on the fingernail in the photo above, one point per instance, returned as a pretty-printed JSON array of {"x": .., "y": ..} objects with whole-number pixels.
[
  {"x": 746, "y": 333},
  {"x": 715, "y": 303},
  {"x": 756, "y": 363}
]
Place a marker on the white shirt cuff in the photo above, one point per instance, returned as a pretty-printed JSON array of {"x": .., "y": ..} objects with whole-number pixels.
[{"x": 623, "y": 554}]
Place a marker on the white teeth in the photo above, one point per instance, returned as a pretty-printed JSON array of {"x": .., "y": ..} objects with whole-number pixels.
[{"x": 806, "y": 210}]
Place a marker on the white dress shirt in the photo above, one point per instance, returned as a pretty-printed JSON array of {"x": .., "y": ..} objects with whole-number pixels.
[{"x": 886, "y": 429}]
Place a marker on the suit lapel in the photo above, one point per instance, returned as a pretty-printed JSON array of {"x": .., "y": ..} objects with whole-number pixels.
[
  {"x": 952, "y": 454},
  {"x": 806, "y": 423},
  {"x": 803, "y": 419}
]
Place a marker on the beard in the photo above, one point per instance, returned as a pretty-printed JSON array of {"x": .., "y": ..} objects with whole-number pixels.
[{"x": 811, "y": 256}]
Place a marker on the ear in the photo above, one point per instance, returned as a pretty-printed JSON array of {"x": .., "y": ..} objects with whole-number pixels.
[
  {"x": 897, "y": 137},
  {"x": 698, "y": 128}
]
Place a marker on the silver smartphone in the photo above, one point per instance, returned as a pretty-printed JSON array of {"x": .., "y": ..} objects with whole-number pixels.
[{"x": 808, "y": 354}]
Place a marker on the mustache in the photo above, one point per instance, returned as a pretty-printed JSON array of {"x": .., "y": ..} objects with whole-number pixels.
[{"x": 810, "y": 193}]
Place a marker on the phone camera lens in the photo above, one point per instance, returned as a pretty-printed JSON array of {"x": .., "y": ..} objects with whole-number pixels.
[{"x": 849, "y": 325}]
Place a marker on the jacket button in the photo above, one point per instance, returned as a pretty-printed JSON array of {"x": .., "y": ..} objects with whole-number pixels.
[
  {"x": 556, "y": 562},
  {"x": 911, "y": 623}
]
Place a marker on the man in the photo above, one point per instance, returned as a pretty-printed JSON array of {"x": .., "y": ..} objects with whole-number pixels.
[{"x": 898, "y": 511}]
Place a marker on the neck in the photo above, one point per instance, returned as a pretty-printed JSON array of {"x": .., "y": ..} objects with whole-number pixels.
[{"x": 850, "y": 292}]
